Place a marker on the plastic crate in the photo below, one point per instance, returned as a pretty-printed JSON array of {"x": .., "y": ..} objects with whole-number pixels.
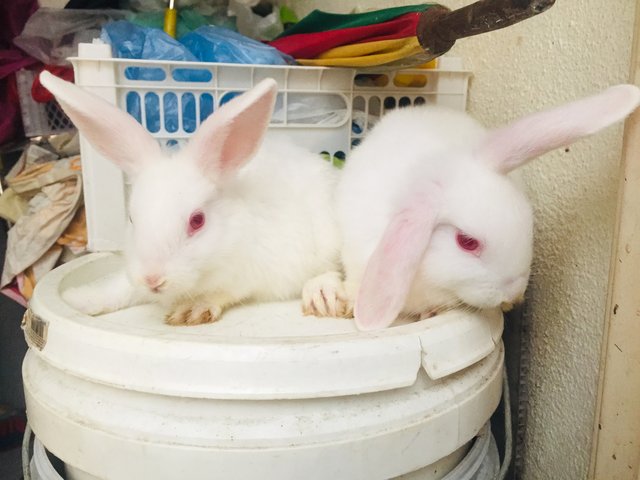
[
  {"x": 39, "y": 118},
  {"x": 326, "y": 109}
]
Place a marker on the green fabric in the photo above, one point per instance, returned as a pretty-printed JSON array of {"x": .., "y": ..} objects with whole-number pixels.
[{"x": 319, "y": 21}]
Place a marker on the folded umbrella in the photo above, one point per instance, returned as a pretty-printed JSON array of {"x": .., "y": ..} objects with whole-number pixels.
[
  {"x": 309, "y": 45},
  {"x": 400, "y": 36}
]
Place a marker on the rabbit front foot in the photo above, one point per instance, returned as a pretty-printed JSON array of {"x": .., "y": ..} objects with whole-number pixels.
[
  {"x": 325, "y": 296},
  {"x": 193, "y": 314},
  {"x": 429, "y": 314},
  {"x": 107, "y": 294},
  {"x": 88, "y": 300}
]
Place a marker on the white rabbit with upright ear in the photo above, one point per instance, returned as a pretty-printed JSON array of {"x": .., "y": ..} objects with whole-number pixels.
[
  {"x": 226, "y": 219},
  {"x": 429, "y": 218}
]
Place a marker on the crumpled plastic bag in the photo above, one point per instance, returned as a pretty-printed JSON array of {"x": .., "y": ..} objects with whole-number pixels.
[
  {"x": 253, "y": 25},
  {"x": 51, "y": 34}
]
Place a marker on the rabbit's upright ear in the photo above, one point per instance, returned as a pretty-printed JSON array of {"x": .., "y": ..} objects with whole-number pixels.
[
  {"x": 509, "y": 147},
  {"x": 111, "y": 131},
  {"x": 231, "y": 136},
  {"x": 394, "y": 264}
]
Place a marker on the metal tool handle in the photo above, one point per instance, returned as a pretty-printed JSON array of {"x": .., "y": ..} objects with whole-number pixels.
[{"x": 439, "y": 27}]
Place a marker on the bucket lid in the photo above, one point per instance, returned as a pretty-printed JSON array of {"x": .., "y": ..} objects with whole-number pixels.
[{"x": 258, "y": 351}]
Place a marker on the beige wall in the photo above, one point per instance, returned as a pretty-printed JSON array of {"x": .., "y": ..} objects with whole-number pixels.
[{"x": 574, "y": 49}]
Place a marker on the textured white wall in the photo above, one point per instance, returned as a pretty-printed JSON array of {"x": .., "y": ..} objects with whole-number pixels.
[{"x": 574, "y": 49}]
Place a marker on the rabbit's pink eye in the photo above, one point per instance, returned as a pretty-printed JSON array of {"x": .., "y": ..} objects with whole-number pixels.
[
  {"x": 196, "y": 222},
  {"x": 467, "y": 243}
]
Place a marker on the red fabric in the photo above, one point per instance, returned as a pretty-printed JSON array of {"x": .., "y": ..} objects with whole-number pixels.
[
  {"x": 310, "y": 45},
  {"x": 13, "y": 292},
  {"x": 13, "y": 15},
  {"x": 41, "y": 94},
  {"x": 11, "y": 118},
  {"x": 13, "y": 60}
]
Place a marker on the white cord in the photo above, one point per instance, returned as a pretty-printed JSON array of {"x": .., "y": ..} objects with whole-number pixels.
[
  {"x": 26, "y": 451},
  {"x": 508, "y": 438}
]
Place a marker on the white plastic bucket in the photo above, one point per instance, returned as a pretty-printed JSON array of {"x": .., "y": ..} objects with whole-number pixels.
[
  {"x": 480, "y": 462},
  {"x": 263, "y": 393}
]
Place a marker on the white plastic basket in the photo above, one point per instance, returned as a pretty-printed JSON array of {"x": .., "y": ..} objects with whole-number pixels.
[{"x": 326, "y": 109}]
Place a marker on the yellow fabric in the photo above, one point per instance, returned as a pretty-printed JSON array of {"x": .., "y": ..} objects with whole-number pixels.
[
  {"x": 29, "y": 177},
  {"x": 28, "y": 283},
  {"x": 76, "y": 233},
  {"x": 31, "y": 180},
  {"x": 367, "y": 54},
  {"x": 368, "y": 48},
  {"x": 12, "y": 205},
  {"x": 27, "y": 280},
  {"x": 55, "y": 191}
]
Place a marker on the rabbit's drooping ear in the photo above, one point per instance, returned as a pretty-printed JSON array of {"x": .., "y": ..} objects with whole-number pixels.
[
  {"x": 509, "y": 147},
  {"x": 394, "y": 264},
  {"x": 112, "y": 132},
  {"x": 232, "y": 135}
]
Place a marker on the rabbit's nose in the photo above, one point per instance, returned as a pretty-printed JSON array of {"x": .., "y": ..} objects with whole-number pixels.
[{"x": 154, "y": 282}]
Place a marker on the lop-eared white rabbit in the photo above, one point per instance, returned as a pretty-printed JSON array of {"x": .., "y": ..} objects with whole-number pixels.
[
  {"x": 224, "y": 220},
  {"x": 429, "y": 217}
]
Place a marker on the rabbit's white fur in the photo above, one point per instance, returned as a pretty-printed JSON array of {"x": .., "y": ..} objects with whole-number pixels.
[
  {"x": 269, "y": 230},
  {"x": 425, "y": 174}
]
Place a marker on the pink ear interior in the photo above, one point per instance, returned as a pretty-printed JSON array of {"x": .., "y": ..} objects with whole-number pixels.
[
  {"x": 111, "y": 131},
  {"x": 511, "y": 146},
  {"x": 393, "y": 265},
  {"x": 231, "y": 136}
]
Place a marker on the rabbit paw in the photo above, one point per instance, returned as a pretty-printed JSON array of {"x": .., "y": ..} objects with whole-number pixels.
[
  {"x": 429, "y": 314},
  {"x": 106, "y": 294},
  {"x": 91, "y": 300},
  {"x": 193, "y": 314},
  {"x": 324, "y": 296}
]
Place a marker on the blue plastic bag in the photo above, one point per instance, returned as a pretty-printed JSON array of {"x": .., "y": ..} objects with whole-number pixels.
[
  {"x": 207, "y": 44},
  {"x": 129, "y": 40},
  {"x": 216, "y": 44}
]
